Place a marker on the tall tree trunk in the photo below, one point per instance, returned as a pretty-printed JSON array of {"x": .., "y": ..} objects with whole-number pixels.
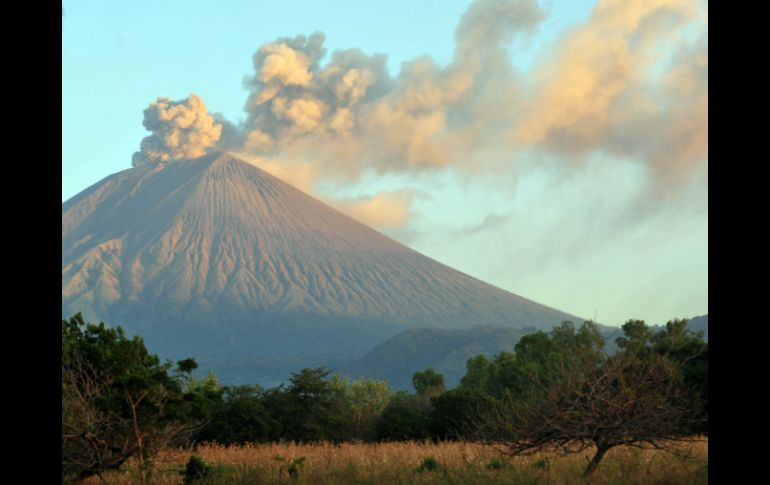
[{"x": 600, "y": 451}]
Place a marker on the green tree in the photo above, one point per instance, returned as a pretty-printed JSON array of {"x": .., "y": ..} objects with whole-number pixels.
[
  {"x": 306, "y": 409},
  {"x": 240, "y": 417},
  {"x": 477, "y": 376},
  {"x": 509, "y": 373},
  {"x": 361, "y": 401},
  {"x": 118, "y": 400},
  {"x": 409, "y": 417},
  {"x": 505, "y": 376},
  {"x": 428, "y": 383},
  {"x": 406, "y": 417},
  {"x": 453, "y": 411},
  {"x": 636, "y": 337},
  {"x": 681, "y": 346}
]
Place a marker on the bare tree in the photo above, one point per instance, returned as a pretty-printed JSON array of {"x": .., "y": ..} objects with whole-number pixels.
[
  {"x": 580, "y": 400},
  {"x": 91, "y": 435}
]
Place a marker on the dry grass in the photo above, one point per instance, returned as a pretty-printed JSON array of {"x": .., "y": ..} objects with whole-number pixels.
[{"x": 397, "y": 463}]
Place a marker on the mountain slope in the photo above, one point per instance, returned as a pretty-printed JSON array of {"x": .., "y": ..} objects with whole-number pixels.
[{"x": 216, "y": 259}]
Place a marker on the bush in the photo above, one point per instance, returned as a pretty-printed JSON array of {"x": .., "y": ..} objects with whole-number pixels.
[
  {"x": 195, "y": 470},
  {"x": 295, "y": 466},
  {"x": 429, "y": 464},
  {"x": 498, "y": 464}
]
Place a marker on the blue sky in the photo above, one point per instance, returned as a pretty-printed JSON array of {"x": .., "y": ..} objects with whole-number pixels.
[{"x": 615, "y": 225}]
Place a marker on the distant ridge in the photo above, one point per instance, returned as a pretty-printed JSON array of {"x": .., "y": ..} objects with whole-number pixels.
[
  {"x": 216, "y": 259},
  {"x": 446, "y": 351},
  {"x": 700, "y": 324}
]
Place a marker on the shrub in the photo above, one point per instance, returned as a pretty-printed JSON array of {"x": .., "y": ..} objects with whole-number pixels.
[
  {"x": 429, "y": 464},
  {"x": 295, "y": 466},
  {"x": 497, "y": 464},
  {"x": 195, "y": 470}
]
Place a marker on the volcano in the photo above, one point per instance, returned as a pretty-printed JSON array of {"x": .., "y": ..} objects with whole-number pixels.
[{"x": 216, "y": 259}]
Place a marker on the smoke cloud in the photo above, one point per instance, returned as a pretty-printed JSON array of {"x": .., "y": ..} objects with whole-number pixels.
[
  {"x": 385, "y": 210},
  {"x": 599, "y": 95},
  {"x": 604, "y": 92},
  {"x": 180, "y": 129},
  {"x": 350, "y": 115},
  {"x": 630, "y": 83}
]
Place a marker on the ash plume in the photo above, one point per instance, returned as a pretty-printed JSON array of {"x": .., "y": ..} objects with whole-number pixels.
[
  {"x": 631, "y": 82},
  {"x": 180, "y": 130}
]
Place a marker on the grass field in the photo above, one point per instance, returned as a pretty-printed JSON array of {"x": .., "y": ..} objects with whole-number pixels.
[{"x": 405, "y": 463}]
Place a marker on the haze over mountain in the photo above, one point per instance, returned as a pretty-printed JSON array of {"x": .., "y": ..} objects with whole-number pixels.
[{"x": 216, "y": 259}]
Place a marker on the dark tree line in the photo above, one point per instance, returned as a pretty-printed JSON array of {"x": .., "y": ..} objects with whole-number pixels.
[{"x": 557, "y": 390}]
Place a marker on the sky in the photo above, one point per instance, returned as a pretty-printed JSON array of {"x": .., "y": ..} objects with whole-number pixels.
[{"x": 558, "y": 150}]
